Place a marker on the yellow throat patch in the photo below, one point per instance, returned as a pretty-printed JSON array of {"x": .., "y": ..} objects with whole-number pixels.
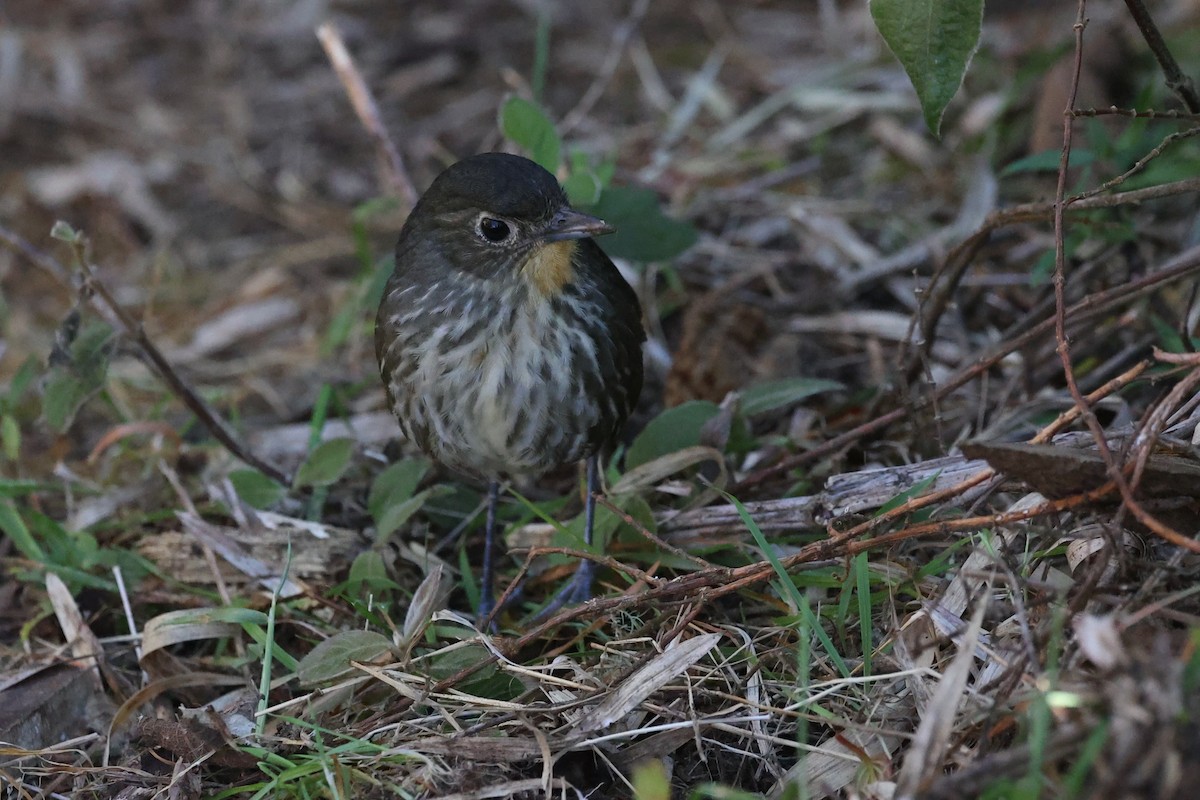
[{"x": 548, "y": 268}]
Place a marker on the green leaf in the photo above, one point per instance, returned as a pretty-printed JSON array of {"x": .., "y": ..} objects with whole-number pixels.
[
  {"x": 326, "y": 463},
  {"x": 10, "y": 437},
  {"x": 76, "y": 375},
  {"x": 650, "y": 781},
  {"x": 934, "y": 41},
  {"x": 27, "y": 373},
  {"x": 444, "y": 663},
  {"x": 12, "y": 525},
  {"x": 644, "y": 233},
  {"x": 331, "y": 658},
  {"x": 255, "y": 488},
  {"x": 64, "y": 232},
  {"x": 527, "y": 125},
  {"x": 392, "y": 516},
  {"x": 395, "y": 484},
  {"x": 15, "y": 487},
  {"x": 582, "y": 187},
  {"x": 368, "y": 573},
  {"x": 673, "y": 429},
  {"x": 769, "y": 396},
  {"x": 1048, "y": 161}
]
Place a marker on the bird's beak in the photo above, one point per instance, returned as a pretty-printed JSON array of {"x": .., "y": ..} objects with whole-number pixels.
[{"x": 570, "y": 224}]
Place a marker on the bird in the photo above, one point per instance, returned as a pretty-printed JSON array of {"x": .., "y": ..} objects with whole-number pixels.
[{"x": 508, "y": 342}]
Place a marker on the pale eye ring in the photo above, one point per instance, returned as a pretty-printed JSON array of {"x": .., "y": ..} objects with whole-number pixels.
[{"x": 493, "y": 230}]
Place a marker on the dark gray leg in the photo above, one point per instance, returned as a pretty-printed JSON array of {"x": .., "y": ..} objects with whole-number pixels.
[
  {"x": 487, "y": 591},
  {"x": 579, "y": 588}
]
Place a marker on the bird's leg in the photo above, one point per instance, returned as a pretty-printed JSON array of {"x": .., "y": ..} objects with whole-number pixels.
[
  {"x": 579, "y": 588},
  {"x": 487, "y": 580}
]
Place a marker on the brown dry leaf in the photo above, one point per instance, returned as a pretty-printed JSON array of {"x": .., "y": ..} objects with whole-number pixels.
[{"x": 46, "y": 705}]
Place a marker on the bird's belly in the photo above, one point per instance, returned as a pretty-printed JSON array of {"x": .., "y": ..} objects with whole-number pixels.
[{"x": 507, "y": 398}]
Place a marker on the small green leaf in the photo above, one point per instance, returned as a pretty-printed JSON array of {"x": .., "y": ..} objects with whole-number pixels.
[
  {"x": 326, "y": 463},
  {"x": 673, "y": 429},
  {"x": 27, "y": 373},
  {"x": 395, "y": 484},
  {"x": 527, "y": 125},
  {"x": 644, "y": 233},
  {"x": 769, "y": 396},
  {"x": 934, "y": 41},
  {"x": 369, "y": 572},
  {"x": 10, "y": 437},
  {"x": 63, "y": 232},
  {"x": 331, "y": 658},
  {"x": 256, "y": 489}
]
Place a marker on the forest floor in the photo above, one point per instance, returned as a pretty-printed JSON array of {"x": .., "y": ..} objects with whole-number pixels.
[{"x": 870, "y": 537}]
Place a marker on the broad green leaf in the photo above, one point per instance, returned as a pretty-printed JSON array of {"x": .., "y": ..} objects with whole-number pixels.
[
  {"x": 256, "y": 489},
  {"x": 644, "y": 233},
  {"x": 331, "y": 658},
  {"x": 582, "y": 187},
  {"x": 934, "y": 41},
  {"x": 368, "y": 571},
  {"x": 527, "y": 125},
  {"x": 71, "y": 381},
  {"x": 444, "y": 663},
  {"x": 395, "y": 484},
  {"x": 392, "y": 516},
  {"x": 776, "y": 394},
  {"x": 673, "y": 429},
  {"x": 326, "y": 463}
]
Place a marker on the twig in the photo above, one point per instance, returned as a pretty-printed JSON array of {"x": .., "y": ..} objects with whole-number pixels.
[
  {"x": 1115, "y": 472},
  {"x": 955, "y": 265},
  {"x": 397, "y": 180},
  {"x": 103, "y": 301},
  {"x": 1044, "y": 435},
  {"x": 1134, "y": 113},
  {"x": 1176, "y": 81},
  {"x": 1139, "y": 165},
  {"x": 1181, "y": 266}
]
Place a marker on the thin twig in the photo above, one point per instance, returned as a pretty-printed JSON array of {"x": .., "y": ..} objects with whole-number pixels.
[
  {"x": 1115, "y": 471},
  {"x": 103, "y": 301},
  {"x": 1182, "y": 266},
  {"x": 947, "y": 277},
  {"x": 1135, "y": 113},
  {"x": 1176, "y": 81},
  {"x": 396, "y": 175}
]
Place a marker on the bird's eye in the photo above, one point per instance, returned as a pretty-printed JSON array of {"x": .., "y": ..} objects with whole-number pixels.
[{"x": 494, "y": 230}]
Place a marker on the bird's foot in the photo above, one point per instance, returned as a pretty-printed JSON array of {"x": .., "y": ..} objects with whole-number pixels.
[{"x": 577, "y": 590}]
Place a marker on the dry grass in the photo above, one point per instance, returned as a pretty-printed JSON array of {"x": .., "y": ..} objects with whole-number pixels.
[{"x": 935, "y": 582}]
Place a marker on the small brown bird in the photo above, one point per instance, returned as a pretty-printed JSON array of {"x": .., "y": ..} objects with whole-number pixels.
[{"x": 508, "y": 342}]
